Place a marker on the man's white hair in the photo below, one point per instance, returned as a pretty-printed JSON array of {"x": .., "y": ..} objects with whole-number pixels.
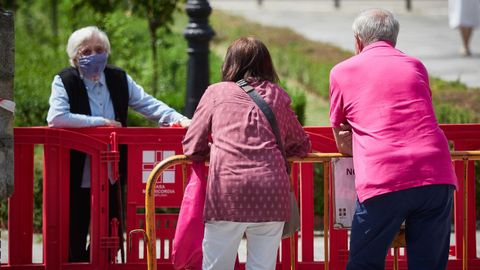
[
  {"x": 374, "y": 25},
  {"x": 81, "y": 35}
]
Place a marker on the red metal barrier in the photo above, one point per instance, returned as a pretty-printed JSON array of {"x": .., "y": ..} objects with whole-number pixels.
[{"x": 146, "y": 147}]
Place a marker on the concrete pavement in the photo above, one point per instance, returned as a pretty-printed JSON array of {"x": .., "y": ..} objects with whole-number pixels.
[
  {"x": 424, "y": 31},
  {"x": 318, "y": 250}
]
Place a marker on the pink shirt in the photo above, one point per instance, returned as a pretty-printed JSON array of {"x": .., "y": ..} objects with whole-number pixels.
[
  {"x": 397, "y": 144},
  {"x": 247, "y": 179}
]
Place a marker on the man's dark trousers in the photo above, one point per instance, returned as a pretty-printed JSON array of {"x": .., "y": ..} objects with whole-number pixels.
[{"x": 426, "y": 211}]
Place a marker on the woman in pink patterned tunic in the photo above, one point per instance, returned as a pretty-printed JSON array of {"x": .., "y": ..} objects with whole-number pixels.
[{"x": 248, "y": 187}]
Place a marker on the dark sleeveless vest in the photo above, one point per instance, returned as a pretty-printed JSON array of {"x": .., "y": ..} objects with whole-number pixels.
[{"x": 116, "y": 80}]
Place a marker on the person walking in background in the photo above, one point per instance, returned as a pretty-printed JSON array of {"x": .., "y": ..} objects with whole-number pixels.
[
  {"x": 381, "y": 111},
  {"x": 248, "y": 185},
  {"x": 91, "y": 93},
  {"x": 464, "y": 15}
]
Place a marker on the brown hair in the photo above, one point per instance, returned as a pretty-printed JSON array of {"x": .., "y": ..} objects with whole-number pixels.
[{"x": 248, "y": 58}]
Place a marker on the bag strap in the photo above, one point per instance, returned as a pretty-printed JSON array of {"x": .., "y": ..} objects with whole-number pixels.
[{"x": 267, "y": 111}]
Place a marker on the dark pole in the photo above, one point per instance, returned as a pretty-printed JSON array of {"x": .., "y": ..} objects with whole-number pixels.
[
  {"x": 198, "y": 34},
  {"x": 7, "y": 64}
]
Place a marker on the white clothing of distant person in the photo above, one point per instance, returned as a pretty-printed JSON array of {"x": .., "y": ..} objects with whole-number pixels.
[{"x": 464, "y": 13}]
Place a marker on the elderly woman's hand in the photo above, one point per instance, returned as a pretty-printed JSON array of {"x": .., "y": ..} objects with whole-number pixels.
[
  {"x": 112, "y": 123},
  {"x": 185, "y": 122}
]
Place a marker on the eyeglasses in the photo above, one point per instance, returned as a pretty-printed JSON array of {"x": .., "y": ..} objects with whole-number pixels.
[{"x": 89, "y": 50}]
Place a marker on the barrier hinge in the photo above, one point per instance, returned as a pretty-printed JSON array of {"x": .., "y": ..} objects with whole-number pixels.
[{"x": 112, "y": 156}]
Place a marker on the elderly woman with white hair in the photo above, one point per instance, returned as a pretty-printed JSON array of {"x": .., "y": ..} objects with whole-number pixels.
[{"x": 91, "y": 93}]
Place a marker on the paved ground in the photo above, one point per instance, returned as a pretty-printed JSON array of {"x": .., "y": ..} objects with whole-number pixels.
[
  {"x": 37, "y": 249},
  {"x": 242, "y": 252},
  {"x": 424, "y": 31}
]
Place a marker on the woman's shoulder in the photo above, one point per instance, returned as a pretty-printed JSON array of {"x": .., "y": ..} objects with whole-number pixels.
[
  {"x": 221, "y": 90},
  {"x": 279, "y": 94},
  {"x": 267, "y": 86},
  {"x": 280, "y": 90},
  {"x": 221, "y": 86}
]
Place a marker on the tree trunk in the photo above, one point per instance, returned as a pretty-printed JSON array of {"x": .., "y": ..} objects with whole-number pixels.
[
  {"x": 26, "y": 11},
  {"x": 54, "y": 22},
  {"x": 7, "y": 59},
  {"x": 153, "y": 43}
]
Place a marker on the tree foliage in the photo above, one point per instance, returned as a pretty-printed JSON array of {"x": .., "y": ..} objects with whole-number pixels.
[
  {"x": 105, "y": 6},
  {"x": 39, "y": 57},
  {"x": 8, "y": 4},
  {"x": 40, "y": 54},
  {"x": 159, "y": 14}
]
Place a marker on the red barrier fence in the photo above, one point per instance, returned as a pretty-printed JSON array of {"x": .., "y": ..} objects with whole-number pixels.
[{"x": 148, "y": 146}]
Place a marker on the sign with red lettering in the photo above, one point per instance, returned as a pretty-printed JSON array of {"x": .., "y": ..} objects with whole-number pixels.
[
  {"x": 166, "y": 183},
  {"x": 142, "y": 159}
]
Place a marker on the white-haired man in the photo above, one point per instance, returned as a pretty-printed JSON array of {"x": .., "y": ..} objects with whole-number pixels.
[
  {"x": 381, "y": 99},
  {"x": 91, "y": 93}
]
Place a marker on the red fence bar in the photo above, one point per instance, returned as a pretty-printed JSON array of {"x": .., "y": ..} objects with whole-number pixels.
[
  {"x": 307, "y": 210},
  {"x": 146, "y": 147},
  {"x": 462, "y": 139},
  {"x": 20, "y": 208}
]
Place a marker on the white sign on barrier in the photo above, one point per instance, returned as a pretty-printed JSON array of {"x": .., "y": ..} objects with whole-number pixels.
[
  {"x": 345, "y": 195},
  {"x": 150, "y": 158}
]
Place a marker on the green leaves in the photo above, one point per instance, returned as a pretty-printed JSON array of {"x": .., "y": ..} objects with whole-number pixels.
[{"x": 159, "y": 13}]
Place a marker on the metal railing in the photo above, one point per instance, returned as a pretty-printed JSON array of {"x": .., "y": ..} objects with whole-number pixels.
[{"x": 150, "y": 236}]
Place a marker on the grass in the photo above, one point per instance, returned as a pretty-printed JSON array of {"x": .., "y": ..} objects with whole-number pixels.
[{"x": 304, "y": 64}]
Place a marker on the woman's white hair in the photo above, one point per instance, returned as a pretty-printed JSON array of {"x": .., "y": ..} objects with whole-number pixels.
[
  {"x": 81, "y": 35},
  {"x": 374, "y": 25}
]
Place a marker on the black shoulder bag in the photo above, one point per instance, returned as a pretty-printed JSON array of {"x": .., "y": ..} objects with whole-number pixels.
[{"x": 293, "y": 223}]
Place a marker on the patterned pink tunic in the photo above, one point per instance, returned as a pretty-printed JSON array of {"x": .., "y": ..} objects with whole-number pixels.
[{"x": 247, "y": 179}]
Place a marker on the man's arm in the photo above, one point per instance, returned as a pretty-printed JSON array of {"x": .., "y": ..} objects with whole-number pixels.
[{"x": 343, "y": 139}]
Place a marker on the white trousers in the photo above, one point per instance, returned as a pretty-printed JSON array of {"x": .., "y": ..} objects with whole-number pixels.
[{"x": 222, "y": 239}]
